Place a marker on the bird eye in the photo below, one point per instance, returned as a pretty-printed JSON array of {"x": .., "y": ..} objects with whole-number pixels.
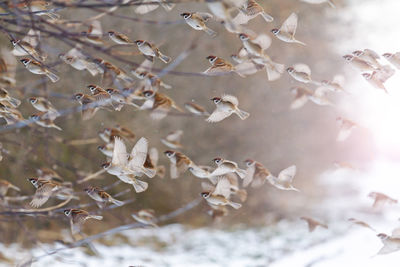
[{"x": 275, "y": 31}]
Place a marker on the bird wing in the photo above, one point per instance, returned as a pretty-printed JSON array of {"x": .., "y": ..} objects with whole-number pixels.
[
  {"x": 120, "y": 156},
  {"x": 299, "y": 101},
  {"x": 242, "y": 18},
  {"x": 148, "y": 104},
  {"x": 204, "y": 15},
  {"x": 174, "y": 136},
  {"x": 139, "y": 153},
  {"x": 153, "y": 154},
  {"x": 290, "y": 24},
  {"x": 32, "y": 37},
  {"x": 384, "y": 73},
  {"x": 95, "y": 28},
  {"x": 302, "y": 68},
  {"x": 207, "y": 186},
  {"x": 145, "y": 7},
  {"x": 371, "y": 53},
  {"x": 388, "y": 248},
  {"x": 223, "y": 187},
  {"x": 77, "y": 223},
  {"x": 249, "y": 175},
  {"x": 246, "y": 68},
  {"x": 220, "y": 170},
  {"x": 263, "y": 40},
  {"x": 218, "y": 115},
  {"x": 230, "y": 98},
  {"x": 339, "y": 79},
  {"x": 146, "y": 65},
  {"x": 287, "y": 175},
  {"x": 41, "y": 196},
  {"x": 75, "y": 52}
]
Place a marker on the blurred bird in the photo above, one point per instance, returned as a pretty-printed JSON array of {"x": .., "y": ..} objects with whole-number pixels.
[
  {"x": 196, "y": 109},
  {"x": 39, "y": 8},
  {"x": 152, "y": 82},
  {"x": 250, "y": 10},
  {"x": 301, "y": 73},
  {"x": 172, "y": 140},
  {"x": 76, "y": 59},
  {"x": 346, "y": 127},
  {"x": 5, "y": 186},
  {"x": 368, "y": 56},
  {"x": 219, "y": 65},
  {"x": 393, "y": 58},
  {"x": 146, "y": 217},
  {"x": 28, "y": 46},
  {"x": 203, "y": 172},
  {"x": 5, "y": 96},
  {"x": 226, "y": 106},
  {"x": 107, "y": 149},
  {"x": 179, "y": 163},
  {"x": 78, "y": 217},
  {"x": 151, "y": 163},
  {"x": 197, "y": 20},
  {"x": 120, "y": 38},
  {"x": 302, "y": 95},
  {"x": 288, "y": 29},
  {"x": 361, "y": 223},
  {"x": 284, "y": 180},
  {"x": 359, "y": 64},
  {"x": 44, "y": 119},
  {"x": 49, "y": 174},
  {"x": 8, "y": 68},
  {"x": 113, "y": 71},
  {"x": 37, "y": 68},
  {"x": 390, "y": 244},
  {"x": 94, "y": 35},
  {"x": 379, "y": 77},
  {"x": 100, "y": 95},
  {"x": 256, "y": 173},
  {"x": 44, "y": 105},
  {"x": 150, "y": 51},
  {"x": 312, "y": 223},
  {"x": 89, "y": 105},
  {"x": 336, "y": 85},
  {"x": 44, "y": 190},
  {"x": 159, "y": 103},
  {"x": 101, "y": 197},
  {"x": 226, "y": 166},
  {"x": 219, "y": 200},
  {"x": 119, "y": 98},
  {"x": 330, "y": 2},
  {"x": 108, "y": 134},
  {"x": 381, "y": 199},
  {"x": 147, "y": 6}
]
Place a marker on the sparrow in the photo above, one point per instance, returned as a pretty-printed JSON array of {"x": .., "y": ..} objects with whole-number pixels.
[
  {"x": 101, "y": 197},
  {"x": 89, "y": 105},
  {"x": 150, "y": 51},
  {"x": 5, "y": 186},
  {"x": 114, "y": 71},
  {"x": 5, "y": 96},
  {"x": 218, "y": 66},
  {"x": 39, "y": 8},
  {"x": 379, "y": 77},
  {"x": 369, "y": 56},
  {"x": 152, "y": 81},
  {"x": 219, "y": 200},
  {"x": 302, "y": 95},
  {"x": 78, "y": 217},
  {"x": 147, "y": 6},
  {"x": 196, "y": 109},
  {"x": 146, "y": 217},
  {"x": 284, "y": 180},
  {"x": 312, "y": 223},
  {"x": 249, "y": 10},
  {"x": 226, "y": 106},
  {"x": 44, "y": 105},
  {"x": 76, "y": 59},
  {"x": 172, "y": 140},
  {"x": 197, "y": 20},
  {"x": 226, "y": 166},
  {"x": 159, "y": 103},
  {"x": 44, "y": 119},
  {"x": 49, "y": 175},
  {"x": 108, "y": 134},
  {"x": 8, "y": 68},
  {"x": 361, "y": 223},
  {"x": 393, "y": 58},
  {"x": 288, "y": 29},
  {"x": 390, "y": 244},
  {"x": 346, "y": 127},
  {"x": 223, "y": 9},
  {"x": 256, "y": 173},
  {"x": 94, "y": 35},
  {"x": 120, "y": 38},
  {"x": 232, "y": 188},
  {"x": 37, "y": 68},
  {"x": 100, "y": 95},
  {"x": 11, "y": 115},
  {"x": 28, "y": 46},
  {"x": 301, "y": 73},
  {"x": 380, "y": 199},
  {"x": 359, "y": 64},
  {"x": 179, "y": 163},
  {"x": 255, "y": 48},
  {"x": 119, "y": 98},
  {"x": 44, "y": 190},
  {"x": 330, "y": 2},
  {"x": 151, "y": 162}
]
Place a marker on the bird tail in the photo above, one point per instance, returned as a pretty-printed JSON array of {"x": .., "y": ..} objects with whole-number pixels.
[
  {"x": 161, "y": 171},
  {"x": 235, "y": 205},
  {"x": 54, "y": 78},
  {"x": 267, "y": 17},
  {"x": 15, "y": 188},
  {"x": 166, "y": 86},
  {"x": 164, "y": 58},
  {"x": 57, "y": 127},
  {"x": 96, "y": 217},
  {"x": 242, "y": 173},
  {"x": 15, "y": 102},
  {"x": 242, "y": 194},
  {"x": 139, "y": 186},
  {"x": 149, "y": 173},
  {"x": 242, "y": 114},
  {"x": 299, "y": 42},
  {"x": 210, "y": 32},
  {"x": 116, "y": 202},
  {"x": 330, "y": 2}
]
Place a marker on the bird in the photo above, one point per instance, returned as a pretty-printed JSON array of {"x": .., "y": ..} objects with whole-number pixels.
[
  {"x": 302, "y": 95},
  {"x": 44, "y": 105},
  {"x": 330, "y": 2},
  {"x": 226, "y": 105},
  {"x": 256, "y": 173},
  {"x": 150, "y": 51},
  {"x": 106, "y": 149},
  {"x": 120, "y": 99},
  {"x": 111, "y": 72},
  {"x": 302, "y": 73},
  {"x": 179, "y": 163},
  {"x": 390, "y": 243},
  {"x": 249, "y": 10},
  {"x": 160, "y": 104},
  {"x": 108, "y": 134},
  {"x": 361, "y": 223},
  {"x": 5, "y": 96},
  {"x": 313, "y": 224},
  {"x": 152, "y": 82},
  {"x": 101, "y": 97},
  {"x": 146, "y": 217},
  {"x": 172, "y": 140},
  {"x": 369, "y": 56},
  {"x": 39, "y": 8},
  {"x": 28, "y": 46},
  {"x": 44, "y": 190},
  {"x": 76, "y": 59},
  {"x": 219, "y": 65},
  {"x": 359, "y": 64},
  {"x": 49, "y": 174},
  {"x": 101, "y": 197},
  {"x": 288, "y": 29},
  {"x": 346, "y": 128},
  {"x": 5, "y": 186},
  {"x": 226, "y": 166},
  {"x": 393, "y": 58},
  {"x": 335, "y": 85},
  {"x": 44, "y": 119},
  {"x": 8, "y": 68},
  {"x": 284, "y": 180},
  {"x": 89, "y": 105},
  {"x": 379, "y": 77},
  {"x": 196, "y": 109},
  {"x": 380, "y": 199},
  {"x": 78, "y": 217},
  {"x": 94, "y": 34},
  {"x": 147, "y": 6},
  {"x": 219, "y": 200},
  {"x": 197, "y": 20},
  {"x": 120, "y": 38},
  {"x": 38, "y": 68}
]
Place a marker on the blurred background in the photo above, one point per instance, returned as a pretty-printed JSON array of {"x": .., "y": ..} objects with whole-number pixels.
[{"x": 267, "y": 230}]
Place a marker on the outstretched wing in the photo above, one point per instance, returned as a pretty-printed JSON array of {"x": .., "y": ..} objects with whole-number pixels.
[
  {"x": 287, "y": 175},
  {"x": 139, "y": 153},
  {"x": 120, "y": 156},
  {"x": 218, "y": 115},
  {"x": 230, "y": 98},
  {"x": 300, "y": 67},
  {"x": 290, "y": 24}
]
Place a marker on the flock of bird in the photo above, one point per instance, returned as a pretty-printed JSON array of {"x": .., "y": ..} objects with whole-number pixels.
[{"x": 141, "y": 89}]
